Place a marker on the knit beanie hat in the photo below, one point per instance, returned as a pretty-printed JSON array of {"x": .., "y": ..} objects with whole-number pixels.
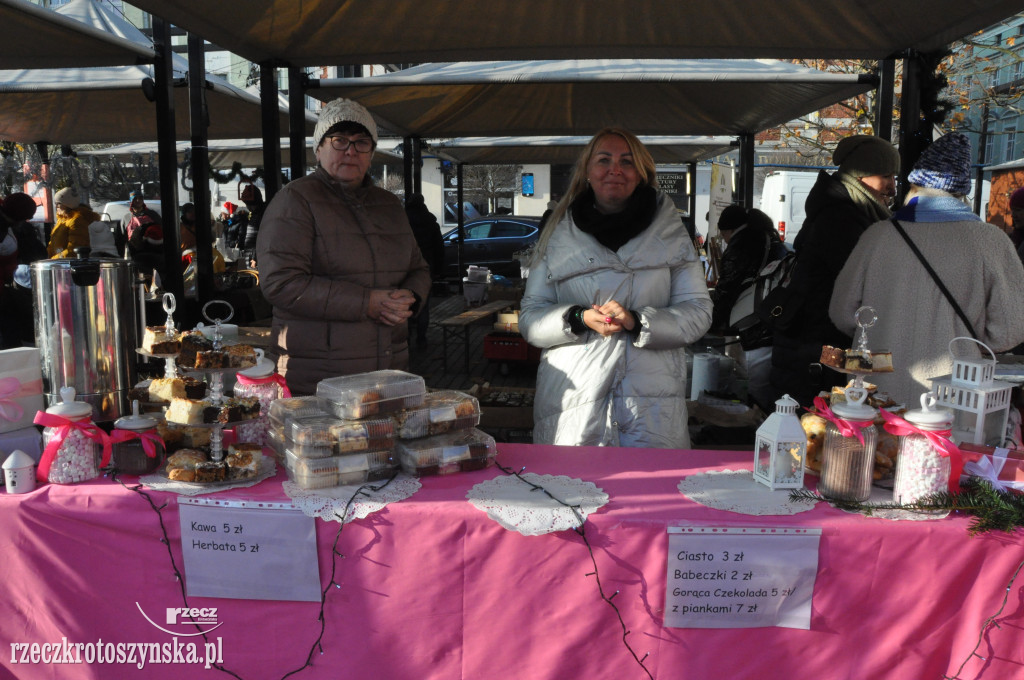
[
  {"x": 945, "y": 165},
  {"x": 18, "y": 206},
  {"x": 1017, "y": 199},
  {"x": 343, "y": 111},
  {"x": 866, "y": 156},
  {"x": 67, "y": 197},
  {"x": 732, "y": 217}
]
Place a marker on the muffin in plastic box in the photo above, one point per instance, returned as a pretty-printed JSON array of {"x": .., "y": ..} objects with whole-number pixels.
[
  {"x": 444, "y": 454},
  {"x": 311, "y": 436},
  {"x": 343, "y": 470},
  {"x": 371, "y": 394},
  {"x": 295, "y": 407},
  {"x": 277, "y": 443},
  {"x": 442, "y": 411}
]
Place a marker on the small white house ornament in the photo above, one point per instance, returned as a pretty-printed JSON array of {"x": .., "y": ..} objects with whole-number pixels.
[
  {"x": 19, "y": 472},
  {"x": 781, "y": 448}
]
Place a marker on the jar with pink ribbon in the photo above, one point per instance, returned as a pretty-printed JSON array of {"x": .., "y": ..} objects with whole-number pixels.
[
  {"x": 923, "y": 464},
  {"x": 849, "y": 450},
  {"x": 74, "y": 449},
  {"x": 265, "y": 384},
  {"x": 137, "y": 449}
]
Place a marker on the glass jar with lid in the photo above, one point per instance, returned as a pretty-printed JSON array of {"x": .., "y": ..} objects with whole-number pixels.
[
  {"x": 849, "y": 450},
  {"x": 265, "y": 384},
  {"x": 137, "y": 449},
  {"x": 72, "y": 443},
  {"x": 921, "y": 467}
]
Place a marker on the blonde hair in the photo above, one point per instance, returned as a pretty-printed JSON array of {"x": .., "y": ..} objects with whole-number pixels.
[{"x": 642, "y": 159}]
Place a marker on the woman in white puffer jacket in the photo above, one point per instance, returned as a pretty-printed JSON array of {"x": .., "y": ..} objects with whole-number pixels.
[{"x": 614, "y": 295}]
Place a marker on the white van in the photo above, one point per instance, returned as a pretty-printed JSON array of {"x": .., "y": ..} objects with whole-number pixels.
[{"x": 783, "y": 197}]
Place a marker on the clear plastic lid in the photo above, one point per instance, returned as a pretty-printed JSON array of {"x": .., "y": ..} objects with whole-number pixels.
[
  {"x": 69, "y": 408},
  {"x": 441, "y": 411},
  {"x": 928, "y": 417},
  {"x": 135, "y": 421},
  {"x": 368, "y": 394},
  {"x": 295, "y": 407},
  {"x": 446, "y": 448}
]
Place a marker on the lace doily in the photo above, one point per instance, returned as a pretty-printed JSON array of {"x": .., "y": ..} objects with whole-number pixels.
[
  {"x": 736, "y": 491},
  {"x": 519, "y": 507},
  {"x": 328, "y": 504},
  {"x": 158, "y": 482},
  {"x": 882, "y": 495}
]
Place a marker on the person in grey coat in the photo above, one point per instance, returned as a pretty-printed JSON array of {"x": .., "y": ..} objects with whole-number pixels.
[
  {"x": 975, "y": 261},
  {"x": 615, "y": 293}
]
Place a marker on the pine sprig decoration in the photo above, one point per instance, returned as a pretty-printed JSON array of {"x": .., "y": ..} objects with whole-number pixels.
[{"x": 991, "y": 510}]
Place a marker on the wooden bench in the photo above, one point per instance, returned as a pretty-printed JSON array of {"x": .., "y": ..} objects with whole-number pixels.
[{"x": 461, "y": 322}]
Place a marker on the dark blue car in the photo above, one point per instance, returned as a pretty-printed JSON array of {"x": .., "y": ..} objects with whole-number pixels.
[{"x": 490, "y": 242}]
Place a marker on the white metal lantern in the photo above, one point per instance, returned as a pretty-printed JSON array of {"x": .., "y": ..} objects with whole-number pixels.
[
  {"x": 781, "y": 448},
  {"x": 980, "y": 404}
]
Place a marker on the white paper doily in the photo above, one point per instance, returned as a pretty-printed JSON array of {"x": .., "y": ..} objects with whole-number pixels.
[
  {"x": 519, "y": 507},
  {"x": 158, "y": 482},
  {"x": 736, "y": 491},
  {"x": 328, "y": 504}
]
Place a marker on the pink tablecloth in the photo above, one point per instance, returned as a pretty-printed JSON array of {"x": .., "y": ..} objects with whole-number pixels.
[{"x": 432, "y": 588}]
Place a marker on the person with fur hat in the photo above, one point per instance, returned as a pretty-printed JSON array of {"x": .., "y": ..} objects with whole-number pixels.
[
  {"x": 72, "y": 228},
  {"x": 975, "y": 261},
  {"x": 839, "y": 207},
  {"x": 338, "y": 261}
]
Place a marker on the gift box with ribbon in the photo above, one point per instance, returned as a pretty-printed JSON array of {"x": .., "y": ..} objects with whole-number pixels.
[
  {"x": 1002, "y": 468},
  {"x": 21, "y": 387}
]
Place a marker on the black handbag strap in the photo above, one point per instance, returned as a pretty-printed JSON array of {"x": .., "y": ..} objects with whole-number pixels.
[{"x": 938, "y": 281}]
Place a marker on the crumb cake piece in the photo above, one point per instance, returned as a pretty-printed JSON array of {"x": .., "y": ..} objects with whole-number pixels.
[
  {"x": 240, "y": 356},
  {"x": 164, "y": 389},
  {"x": 211, "y": 471},
  {"x": 155, "y": 340},
  {"x": 833, "y": 356},
  {"x": 185, "y": 411},
  {"x": 211, "y": 359},
  {"x": 192, "y": 343},
  {"x": 243, "y": 460}
]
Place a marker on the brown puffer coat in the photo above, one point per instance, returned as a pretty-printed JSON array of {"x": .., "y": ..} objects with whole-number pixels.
[{"x": 321, "y": 250}]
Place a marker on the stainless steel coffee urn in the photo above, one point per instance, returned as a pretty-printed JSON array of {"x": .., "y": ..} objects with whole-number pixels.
[{"x": 87, "y": 330}]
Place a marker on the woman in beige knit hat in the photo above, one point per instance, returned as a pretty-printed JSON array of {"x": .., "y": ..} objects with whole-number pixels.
[
  {"x": 338, "y": 261},
  {"x": 72, "y": 228}
]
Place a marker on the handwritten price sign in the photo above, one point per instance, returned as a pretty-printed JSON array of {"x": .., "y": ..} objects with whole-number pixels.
[{"x": 740, "y": 577}]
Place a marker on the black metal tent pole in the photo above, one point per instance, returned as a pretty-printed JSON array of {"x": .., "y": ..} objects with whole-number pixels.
[
  {"x": 912, "y": 138},
  {"x": 167, "y": 153},
  {"x": 199, "y": 122},
  {"x": 691, "y": 170},
  {"x": 745, "y": 190},
  {"x": 417, "y": 165},
  {"x": 407, "y": 166},
  {"x": 297, "y": 121},
  {"x": 884, "y": 98},
  {"x": 271, "y": 129},
  {"x": 462, "y": 219}
]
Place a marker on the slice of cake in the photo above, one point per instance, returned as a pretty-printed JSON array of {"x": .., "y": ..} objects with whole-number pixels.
[
  {"x": 181, "y": 466},
  {"x": 240, "y": 356},
  {"x": 192, "y": 343},
  {"x": 194, "y": 387},
  {"x": 155, "y": 340},
  {"x": 186, "y": 411},
  {"x": 243, "y": 460},
  {"x": 162, "y": 390},
  {"x": 211, "y": 359},
  {"x": 881, "y": 362},
  {"x": 833, "y": 356},
  {"x": 211, "y": 471}
]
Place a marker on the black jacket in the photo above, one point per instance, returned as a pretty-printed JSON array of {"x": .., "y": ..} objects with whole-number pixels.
[
  {"x": 741, "y": 260},
  {"x": 833, "y": 225}
]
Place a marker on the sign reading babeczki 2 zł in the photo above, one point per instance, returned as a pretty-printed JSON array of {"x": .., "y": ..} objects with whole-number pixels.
[{"x": 740, "y": 577}]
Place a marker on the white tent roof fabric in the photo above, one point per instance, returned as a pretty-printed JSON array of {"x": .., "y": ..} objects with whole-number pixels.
[
  {"x": 39, "y": 38},
  {"x": 554, "y": 150},
  {"x": 579, "y": 97},
  {"x": 107, "y": 104},
  {"x": 327, "y": 32}
]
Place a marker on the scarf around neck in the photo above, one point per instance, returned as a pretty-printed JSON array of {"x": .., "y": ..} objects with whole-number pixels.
[
  {"x": 936, "y": 209},
  {"x": 864, "y": 199},
  {"x": 615, "y": 230}
]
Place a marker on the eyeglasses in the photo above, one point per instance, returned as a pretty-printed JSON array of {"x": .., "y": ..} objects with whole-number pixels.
[{"x": 362, "y": 145}]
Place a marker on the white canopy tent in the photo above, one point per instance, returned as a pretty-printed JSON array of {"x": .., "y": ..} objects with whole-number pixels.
[
  {"x": 107, "y": 104},
  {"x": 564, "y": 150},
  {"x": 326, "y": 32},
  {"x": 35, "y": 37},
  {"x": 579, "y": 97}
]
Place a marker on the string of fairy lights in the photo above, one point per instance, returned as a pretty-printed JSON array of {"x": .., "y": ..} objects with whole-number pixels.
[{"x": 580, "y": 530}]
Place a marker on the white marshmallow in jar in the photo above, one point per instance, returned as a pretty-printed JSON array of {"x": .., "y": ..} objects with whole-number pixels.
[
  {"x": 77, "y": 454},
  {"x": 264, "y": 383},
  {"x": 921, "y": 469}
]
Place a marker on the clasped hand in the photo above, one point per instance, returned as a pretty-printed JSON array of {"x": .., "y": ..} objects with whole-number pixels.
[
  {"x": 609, "y": 318},
  {"x": 391, "y": 307}
]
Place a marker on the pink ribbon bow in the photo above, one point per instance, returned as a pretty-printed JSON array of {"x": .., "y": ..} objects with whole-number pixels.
[
  {"x": 847, "y": 428},
  {"x": 64, "y": 428},
  {"x": 939, "y": 439},
  {"x": 273, "y": 377},
  {"x": 11, "y": 389},
  {"x": 149, "y": 440}
]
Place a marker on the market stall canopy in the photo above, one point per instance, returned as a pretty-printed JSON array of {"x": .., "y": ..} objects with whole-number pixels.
[
  {"x": 554, "y": 150},
  {"x": 224, "y": 153},
  {"x": 107, "y": 104},
  {"x": 579, "y": 97},
  {"x": 35, "y": 37},
  {"x": 327, "y": 32}
]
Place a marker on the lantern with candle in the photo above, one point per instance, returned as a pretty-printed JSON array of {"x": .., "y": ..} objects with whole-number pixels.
[
  {"x": 781, "y": 448},
  {"x": 980, "y": 404}
]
